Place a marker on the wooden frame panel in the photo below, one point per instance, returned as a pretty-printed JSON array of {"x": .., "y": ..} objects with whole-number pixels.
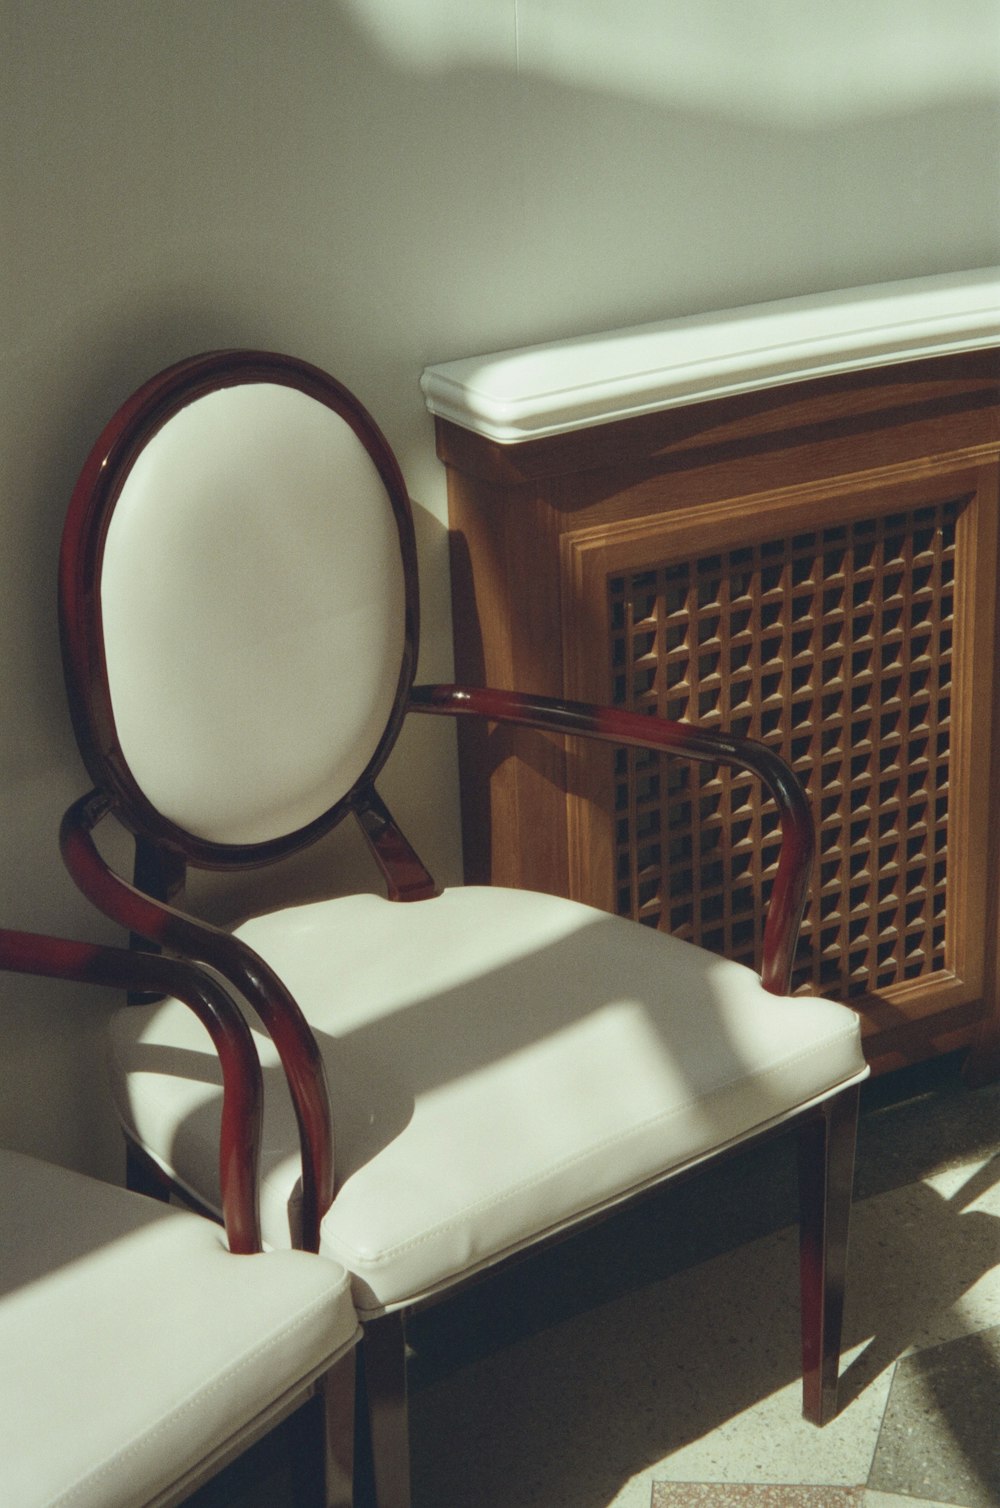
[
  {"x": 561, "y": 517},
  {"x": 847, "y": 647}
]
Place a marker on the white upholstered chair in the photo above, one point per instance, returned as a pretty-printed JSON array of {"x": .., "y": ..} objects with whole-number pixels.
[
  {"x": 239, "y": 620},
  {"x": 138, "y": 1353}
]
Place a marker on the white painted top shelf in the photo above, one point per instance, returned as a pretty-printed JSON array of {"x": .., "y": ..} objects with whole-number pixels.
[{"x": 535, "y": 391}]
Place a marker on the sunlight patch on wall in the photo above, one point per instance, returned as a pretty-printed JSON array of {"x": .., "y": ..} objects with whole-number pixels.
[{"x": 801, "y": 61}]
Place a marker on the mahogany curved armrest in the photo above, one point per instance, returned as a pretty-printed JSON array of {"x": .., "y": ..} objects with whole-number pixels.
[
  {"x": 636, "y": 730},
  {"x": 242, "y": 1093},
  {"x": 244, "y": 971}
]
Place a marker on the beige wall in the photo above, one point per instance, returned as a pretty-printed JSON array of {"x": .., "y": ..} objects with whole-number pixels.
[{"x": 376, "y": 184}]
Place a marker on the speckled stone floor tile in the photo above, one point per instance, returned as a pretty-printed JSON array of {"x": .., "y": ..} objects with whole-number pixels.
[
  {"x": 941, "y": 1125},
  {"x": 939, "y": 1436},
  {"x": 893, "y": 1500},
  {"x": 677, "y": 1386},
  {"x": 717, "y": 1495},
  {"x": 698, "y": 1382},
  {"x": 658, "y": 1355},
  {"x": 924, "y": 1268}
]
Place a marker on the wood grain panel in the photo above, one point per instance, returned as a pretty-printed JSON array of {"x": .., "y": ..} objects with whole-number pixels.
[{"x": 815, "y": 567}]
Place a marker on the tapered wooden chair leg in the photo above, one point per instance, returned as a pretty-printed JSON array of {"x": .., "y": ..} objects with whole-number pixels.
[
  {"x": 826, "y": 1181},
  {"x": 382, "y": 1462},
  {"x": 320, "y": 1442},
  {"x": 337, "y": 1400}
]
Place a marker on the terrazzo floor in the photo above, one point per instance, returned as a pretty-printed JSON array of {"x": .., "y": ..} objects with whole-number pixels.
[{"x": 652, "y": 1362}]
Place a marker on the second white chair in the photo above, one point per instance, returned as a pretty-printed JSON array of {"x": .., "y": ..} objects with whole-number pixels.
[{"x": 138, "y": 1353}]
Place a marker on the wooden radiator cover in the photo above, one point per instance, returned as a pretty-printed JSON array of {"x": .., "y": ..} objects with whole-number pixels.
[{"x": 814, "y": 565}]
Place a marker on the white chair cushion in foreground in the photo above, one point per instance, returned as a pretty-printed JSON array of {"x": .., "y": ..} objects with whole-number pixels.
[
  {"x": 500, "y": 1063},
  {"x": 135, "y": 1347}
]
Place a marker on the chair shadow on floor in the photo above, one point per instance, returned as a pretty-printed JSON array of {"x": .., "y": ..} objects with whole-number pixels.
[
  {"x": 587, "y": 1407},
  {"x": 914, "y": 1270},
  {"x": 910, "y": 1279}
]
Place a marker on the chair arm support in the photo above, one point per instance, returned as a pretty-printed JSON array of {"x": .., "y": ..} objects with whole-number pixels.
[
  {"x": 244, "y": 971},
  {"x": 242, "y": 1092},
  {"x": 637, "y": 730},
  {"x": 405, "y": 875}
]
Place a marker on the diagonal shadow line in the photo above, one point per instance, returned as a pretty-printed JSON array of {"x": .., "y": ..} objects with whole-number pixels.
[{"x": 942, "y": 1258}]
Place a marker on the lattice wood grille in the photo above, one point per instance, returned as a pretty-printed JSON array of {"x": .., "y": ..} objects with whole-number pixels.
[{"x": 835, "y": 647}]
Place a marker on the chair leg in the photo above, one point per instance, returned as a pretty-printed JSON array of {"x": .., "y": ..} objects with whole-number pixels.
[
  {"x": 826, "y": 1179},
  {"x": 336, "y": 1399},
  {"x": 382, "y": 1454}
]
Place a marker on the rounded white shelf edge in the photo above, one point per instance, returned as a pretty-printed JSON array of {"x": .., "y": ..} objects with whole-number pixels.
[{"x": 526, "y": 394}]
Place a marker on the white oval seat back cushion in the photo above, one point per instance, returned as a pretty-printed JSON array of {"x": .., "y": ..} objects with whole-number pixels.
[{"x": 252, "y": 597}]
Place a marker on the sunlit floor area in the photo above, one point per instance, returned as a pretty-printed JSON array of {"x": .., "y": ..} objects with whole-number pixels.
[{"x": 652, "y": 1362}]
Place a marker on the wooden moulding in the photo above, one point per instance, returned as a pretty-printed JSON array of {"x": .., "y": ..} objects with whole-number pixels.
[{"x": 592, "y": 381}]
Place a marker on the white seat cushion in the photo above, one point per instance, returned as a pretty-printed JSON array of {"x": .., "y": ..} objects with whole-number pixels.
[
  {"x": 134, "y": 1345},
  {"x": 501, "y": 1062}
]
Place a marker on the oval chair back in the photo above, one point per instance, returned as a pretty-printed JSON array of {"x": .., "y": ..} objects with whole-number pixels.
[{"x": 239, "y": 608}]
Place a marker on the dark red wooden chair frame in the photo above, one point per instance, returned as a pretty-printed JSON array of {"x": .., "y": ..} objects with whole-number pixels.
[
  {"x": 242, "y": 1097},
  {"x": 152, "y": 907}
]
